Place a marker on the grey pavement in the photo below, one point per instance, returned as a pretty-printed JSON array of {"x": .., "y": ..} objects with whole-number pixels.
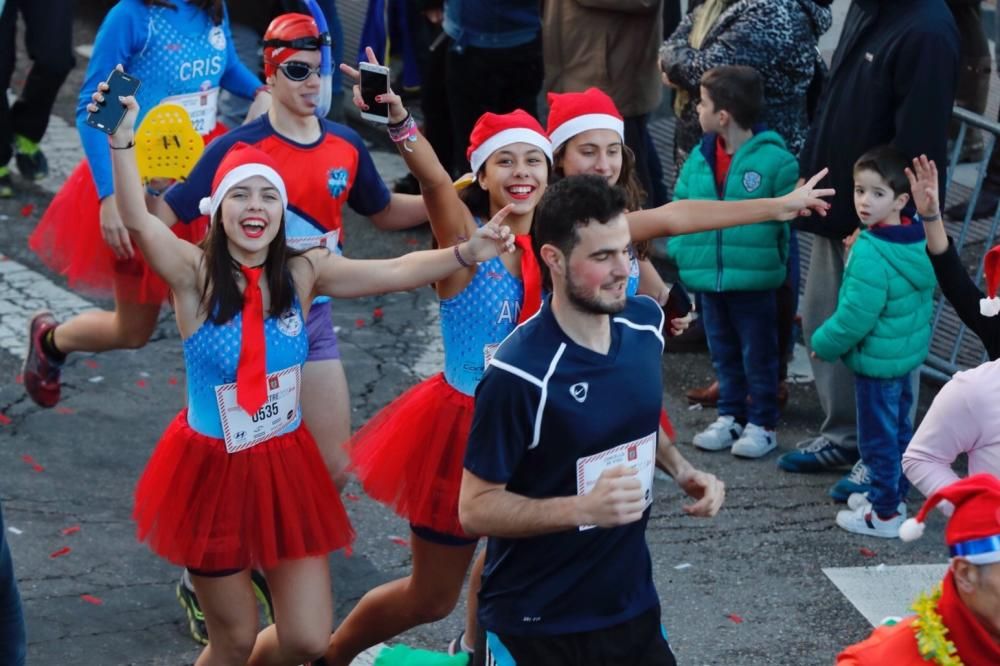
[{"x": 746, "y": 588}]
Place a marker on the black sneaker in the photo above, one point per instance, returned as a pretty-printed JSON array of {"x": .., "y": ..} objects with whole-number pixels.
[
  {"x": 196, "y": 619},
  {"x": 32, "y": 166},
  {"x": 6, "y": 184}
]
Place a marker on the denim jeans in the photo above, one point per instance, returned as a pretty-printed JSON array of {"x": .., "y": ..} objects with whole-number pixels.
[
  {"x": 884, "y": 431},
  {"x": 12, "y": 634},
  {"x": 742, "y": 338}
]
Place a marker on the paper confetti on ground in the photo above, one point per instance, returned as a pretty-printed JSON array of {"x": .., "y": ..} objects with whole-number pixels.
[
  {"x": 734, "y": 618},
  {"x": 14, "y": 530},
  {"x": 91, "y": 599},
  {"x": 684, "y": 565},
  {"x": 65, "y": 550},
  {"x": 72, "y": 529}
]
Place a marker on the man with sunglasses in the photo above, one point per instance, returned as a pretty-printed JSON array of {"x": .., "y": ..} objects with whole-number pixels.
[{"x": 326, "y": 165}]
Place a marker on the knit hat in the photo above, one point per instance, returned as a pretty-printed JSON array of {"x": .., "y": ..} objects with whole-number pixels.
[
  {"x": 576, "y": 112},
  {"x": 288, "y": 34},
  {"x": 973, "y": 531},
  {"x": 494, "y": 131},
  {"x": 242, "y": 161},
  {"x": 990, "y": 306}
]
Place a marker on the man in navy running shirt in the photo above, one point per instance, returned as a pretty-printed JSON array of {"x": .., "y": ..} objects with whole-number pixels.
[{"x": 560, "y": 460}]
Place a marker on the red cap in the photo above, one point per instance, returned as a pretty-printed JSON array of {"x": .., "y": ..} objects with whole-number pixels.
[
  {"x": 242, "y": 161},
  {"x": 576, "y": 112},
  {"x": 494, "y": 131},
  {"x": 279, "y": 35},
  {"x": 973, "y": 531}
]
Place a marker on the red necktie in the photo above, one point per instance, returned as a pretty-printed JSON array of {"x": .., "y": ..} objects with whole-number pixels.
[
  {"x": 531, "y": 276},
  {"x": 251, "y": 375}
]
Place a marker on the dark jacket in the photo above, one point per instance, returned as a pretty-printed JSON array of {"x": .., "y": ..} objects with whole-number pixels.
[
  {"x": 964, "y": 295},
  {"x": 892, "y": 80}
]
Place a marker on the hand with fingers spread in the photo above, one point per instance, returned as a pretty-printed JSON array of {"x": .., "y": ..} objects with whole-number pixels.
[
  {"x": 806, "y": 199},
  {"x": 616, "y": 499},
  {"x": 397, "y": 112},
  {"x": 490, "y": 240},
  {"x": 708, "y": 491},
  {"x": 923, "y": 179}
]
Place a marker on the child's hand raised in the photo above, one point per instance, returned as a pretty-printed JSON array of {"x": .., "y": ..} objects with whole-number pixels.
[{"x": 923, "y": 179}]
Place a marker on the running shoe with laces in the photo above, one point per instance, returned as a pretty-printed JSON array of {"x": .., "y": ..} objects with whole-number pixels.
[
  {"x": 720, "y": 435},
  {"x": 40, "y": 372},
  {"x": 755, "y": 442},
  {"x": 817, "y": 455},
  {"x": 189, "y": 602},
  {"x": 861, "y": 499},
  {"x": 864, "y": 520},
  {"x": 30, "y": 159},
  {"x": 859, "y": 481}
]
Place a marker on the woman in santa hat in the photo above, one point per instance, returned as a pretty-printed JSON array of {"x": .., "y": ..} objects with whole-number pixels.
[{"x": 237, "y": 481}]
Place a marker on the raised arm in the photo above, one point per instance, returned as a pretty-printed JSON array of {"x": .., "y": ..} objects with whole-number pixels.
[
  {"x": 173, "y": 259},
  {"x": 690, "y": 216},
  {"x": 450, "y": 219}
]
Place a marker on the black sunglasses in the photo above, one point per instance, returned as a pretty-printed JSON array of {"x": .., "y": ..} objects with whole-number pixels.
[{"x": 297, "y": 71}]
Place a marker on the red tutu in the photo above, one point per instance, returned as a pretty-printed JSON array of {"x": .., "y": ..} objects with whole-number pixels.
[
  {"x": 201, "y": 507},
  {"x": 68, "y": 240},
  {"x": 410, "y": 455}
]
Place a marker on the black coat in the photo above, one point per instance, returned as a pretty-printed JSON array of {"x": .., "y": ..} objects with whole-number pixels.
[{"x": 892, "y": 80}]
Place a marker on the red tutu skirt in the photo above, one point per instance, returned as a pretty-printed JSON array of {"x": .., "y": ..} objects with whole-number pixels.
[
  {"x": 410, "y": 455},
  {"x": 68, "y": 240},
  {"x": 199, "y": 506}
]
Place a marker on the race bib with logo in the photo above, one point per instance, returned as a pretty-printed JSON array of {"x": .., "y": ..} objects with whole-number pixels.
[
  {"x": 202, "y": 106},
  {"x": 639, "y": 453},
  {"x": 241, "y": 430}
]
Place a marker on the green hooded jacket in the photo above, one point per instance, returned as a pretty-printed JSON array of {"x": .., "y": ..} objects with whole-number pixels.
[
  {"x": 882, "y": 325},
  {"x": 746, "y": 258}
]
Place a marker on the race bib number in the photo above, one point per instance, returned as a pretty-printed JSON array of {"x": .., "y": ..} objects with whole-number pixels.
[
  {"x": 330, "y": 240},
  {"x": 640, "y": 454},
  {"x": 242, "y": 430},
  {"x": 489, "y": 351},
  {"x": 203, "y": 107}
]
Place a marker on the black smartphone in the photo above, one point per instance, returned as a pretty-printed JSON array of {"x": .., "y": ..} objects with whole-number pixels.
[
  {"x": 110, "y": 112},
  {"x": 678, "y": 303},
  {"x": 374, "y": 81}
]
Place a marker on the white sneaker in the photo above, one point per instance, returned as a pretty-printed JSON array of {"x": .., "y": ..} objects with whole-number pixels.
[
  {"x": 861, "y": 499},
  {"x": 755, "y": 442},
  {"x": 865, "y": 521},
  {"x": 720, "y": 435}
]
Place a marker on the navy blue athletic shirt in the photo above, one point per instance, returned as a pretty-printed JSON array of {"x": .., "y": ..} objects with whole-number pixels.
[{"x": 543, "y": 403}]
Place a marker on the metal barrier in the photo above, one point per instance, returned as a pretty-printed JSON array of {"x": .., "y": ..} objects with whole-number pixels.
[{"x": 952, "y": 348}]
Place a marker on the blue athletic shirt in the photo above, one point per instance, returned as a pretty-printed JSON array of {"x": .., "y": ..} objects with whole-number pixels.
[
  {"x": 543, "y": 403},
  {"x": 212, "y": 354},
  {"x": 171, "y": 52}
]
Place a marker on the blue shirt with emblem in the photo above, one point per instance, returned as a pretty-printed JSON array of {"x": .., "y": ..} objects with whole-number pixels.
[{"x": 543, "y": 404}]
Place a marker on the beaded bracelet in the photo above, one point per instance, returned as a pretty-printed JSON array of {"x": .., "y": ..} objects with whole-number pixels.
[
  {"x": 462, "y": 262},
  {"x": 931, "y": 218},
  {"x": 403, "y": 131}
]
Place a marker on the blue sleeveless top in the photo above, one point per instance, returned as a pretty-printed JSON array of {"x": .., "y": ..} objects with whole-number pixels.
[
  {"x": 484, "y": 313},
  {"x": 213, "y": 352}
]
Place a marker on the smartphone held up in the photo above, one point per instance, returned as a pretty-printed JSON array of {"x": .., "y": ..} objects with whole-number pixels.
[
  {"x": 110, "y": 112},
  {"x": 374, "y": 82}
]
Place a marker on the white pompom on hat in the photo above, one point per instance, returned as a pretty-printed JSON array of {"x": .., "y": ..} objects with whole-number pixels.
[
  {"x": 493, "y": 131},
  {"x": 241, "y": 161},
  {"x": 973, "y": 531},
  {"x": 577, "y": 112}
]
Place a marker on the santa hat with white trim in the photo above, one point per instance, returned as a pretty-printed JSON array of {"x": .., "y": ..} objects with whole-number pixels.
[
  {"x": 240, "y": 162},
  {"x": 576, "y": 112},
  {"x": 990, "y": 306},
  {"x": 973, "y": 531},
  {"x": 494, "y": 131}
]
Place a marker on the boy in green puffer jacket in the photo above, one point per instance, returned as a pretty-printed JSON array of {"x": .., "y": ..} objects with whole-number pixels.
[
  {"x": 882, "y": 331},
  {"x": 737, "y": 270}
]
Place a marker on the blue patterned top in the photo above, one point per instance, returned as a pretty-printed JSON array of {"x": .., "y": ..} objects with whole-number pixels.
[{"x": 213, "y": 352}]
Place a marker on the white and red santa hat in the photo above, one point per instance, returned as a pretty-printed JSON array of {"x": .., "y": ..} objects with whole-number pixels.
[
  {"x": 241, "y": 161},
  {"x": 494, "y": 131},
  {"x": 973, "y": 531},
  {"x": 576, "y": 112},
  {"x": 990, "y": 306}
]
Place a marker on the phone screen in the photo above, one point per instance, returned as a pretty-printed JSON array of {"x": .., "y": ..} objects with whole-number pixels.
[
  {"x": 373, "y": 84},
  {"x": 110, "y": 112}
]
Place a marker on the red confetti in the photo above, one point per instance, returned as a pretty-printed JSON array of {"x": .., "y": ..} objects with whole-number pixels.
[
  {"x": 28, "y": 459},
  {"x": 19, "y": 378},
  {"x": 359, "y": 323},
  {"x": 734, "y": 618},
  {"x": 867, "y": 552},
  {"x": 4, "y": 419},
  {"x": 65, "y": 410},
  {"x": 172, "y": 381},
  {"x": 399, "y": 541},
  {"x": 91, "y": 599},
  {"x": 37, "y": 468},
  {"x": 352, "y": 497},
  {"x": 377, "y": 313},
  {"x": 412, "y": 241},
  {"x": 141, "y": 383},
  {"x": 91, "y": 363},
  {"x": 65, "y": 550},
  {"x": 72, "y": 529},
  {"x": 27, "y": 210}
]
